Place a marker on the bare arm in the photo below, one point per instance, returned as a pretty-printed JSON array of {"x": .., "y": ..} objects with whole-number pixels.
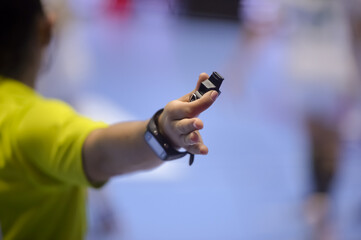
[{"x": 121, "y": 149}]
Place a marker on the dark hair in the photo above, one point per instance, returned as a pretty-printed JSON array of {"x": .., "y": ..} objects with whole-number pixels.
[{"x": 17, "y": 21}]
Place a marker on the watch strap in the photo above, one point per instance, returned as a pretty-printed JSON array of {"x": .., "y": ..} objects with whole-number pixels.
[{"x": 169, "y": 153}]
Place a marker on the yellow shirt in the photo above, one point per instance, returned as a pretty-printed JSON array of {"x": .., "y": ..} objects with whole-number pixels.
[{"x": 42, "y": 182}]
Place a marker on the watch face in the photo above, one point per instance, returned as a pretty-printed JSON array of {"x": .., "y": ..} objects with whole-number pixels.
[{"x": 154, "y": 144}]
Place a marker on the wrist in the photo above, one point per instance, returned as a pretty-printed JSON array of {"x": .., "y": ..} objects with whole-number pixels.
[{"x": 157, "y": 140}]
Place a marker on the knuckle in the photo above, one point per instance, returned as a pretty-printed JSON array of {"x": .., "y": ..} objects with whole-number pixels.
[
  {"x": 188, "y": 111},
  {"x": 184, "y": 128},
  {"x": 170, "y": 107},
  {"x": 179, "y": 127}
]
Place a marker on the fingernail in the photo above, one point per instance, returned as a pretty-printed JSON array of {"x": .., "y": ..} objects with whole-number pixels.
[
  {"x": 204, "y": 151},
  {"x": 194, "y": 138},
  {"x": 214, "y": 95}
]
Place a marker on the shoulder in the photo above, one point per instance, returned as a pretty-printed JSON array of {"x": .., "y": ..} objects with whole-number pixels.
[
  {"x": 51, "y": 124},
  {"x": 40, "y": 122},
  {"x": 44, "y": 115}
]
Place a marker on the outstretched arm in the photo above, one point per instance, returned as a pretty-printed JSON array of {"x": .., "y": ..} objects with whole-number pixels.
[{"x": 121, "y": 148}]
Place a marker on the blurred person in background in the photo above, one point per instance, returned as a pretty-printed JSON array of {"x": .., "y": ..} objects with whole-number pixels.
[
  {"x": 353, "y": 11},
  {"x": 320, "y": 68},
  {"x": 318, "y": 89},
  {"x": 50, "y": 154},
  {"x": 325, "y": 153},
  {"x": 330, "y": 88}
]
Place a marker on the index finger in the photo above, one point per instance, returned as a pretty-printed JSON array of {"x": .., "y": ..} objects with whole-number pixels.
[
  {"x": 202, "y": 104},
  {"x": 193, "y": 109}
]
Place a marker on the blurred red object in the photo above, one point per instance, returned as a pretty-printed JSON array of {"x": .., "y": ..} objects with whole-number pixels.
[{"x": 119, "y": 7}]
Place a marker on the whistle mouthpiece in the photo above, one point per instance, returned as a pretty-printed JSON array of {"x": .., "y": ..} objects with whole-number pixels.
[{"x": 214, "y": 82}]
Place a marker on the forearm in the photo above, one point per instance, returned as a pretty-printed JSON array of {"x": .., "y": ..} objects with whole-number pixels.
[{"x": 118, "y": 149}]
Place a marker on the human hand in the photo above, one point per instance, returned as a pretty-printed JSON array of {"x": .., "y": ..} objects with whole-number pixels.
[{"x": 179, "y": 121}]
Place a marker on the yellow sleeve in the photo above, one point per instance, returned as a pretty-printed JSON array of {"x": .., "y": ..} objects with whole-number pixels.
[{"x": 50, "y": 137}]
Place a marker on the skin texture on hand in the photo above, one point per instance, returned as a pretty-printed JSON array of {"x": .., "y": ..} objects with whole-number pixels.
[
  {"x": 179, "y": 121},
  {"x": 121, "y": 148}
]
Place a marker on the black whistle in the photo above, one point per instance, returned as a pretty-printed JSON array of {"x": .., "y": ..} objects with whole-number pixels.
[{"x": 214, "y": 82}]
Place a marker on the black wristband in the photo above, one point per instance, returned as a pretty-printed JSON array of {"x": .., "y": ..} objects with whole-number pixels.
[{"x": 159, "y": 144}]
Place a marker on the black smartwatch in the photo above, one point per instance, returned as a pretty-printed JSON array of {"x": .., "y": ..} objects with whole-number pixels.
[{"x": 159, "y": 143}]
